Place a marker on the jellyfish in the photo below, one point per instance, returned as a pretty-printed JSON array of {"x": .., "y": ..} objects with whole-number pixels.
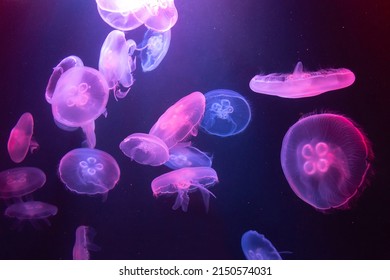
[
  {"x": 80, "y": 97},
  {"x": 145, "y": 149},
  {"x": 20, "y": 181},
  {"x": 184, "y": 181},
  {"x": 157, "y": 15},
  {"x": 301, "y": 84},
  {"x": 20, "y": 139},
  {"x": 326, "y": 159},
  {"x": 181, "y": 120},
  {"x": 32, "y": 211},
  {"x": 89, "y": 171},
  {"x": 185, "y": 155},
  {"x": 256, "y": 247},
  {"x": 124, "y": 21},
  {"x": 227, "y": 113},
  {"x": 116, "y": 63},
  {"x": 84, "y": 243},
  {"x": 153, "y": 48},
  {"x": 63, "y": 66}
]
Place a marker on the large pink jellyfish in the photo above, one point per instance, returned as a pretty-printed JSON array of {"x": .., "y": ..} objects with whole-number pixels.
[
  {"x": 302, "y": 84},
  {"x": 326, "y": 159},
  {"x": 184, "y": 181},
  {"x": 20, "y": 139},
  {"x": 181, "y": 120}
]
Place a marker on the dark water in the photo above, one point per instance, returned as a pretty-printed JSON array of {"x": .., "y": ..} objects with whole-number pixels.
[{"x": 215, "y": 44}]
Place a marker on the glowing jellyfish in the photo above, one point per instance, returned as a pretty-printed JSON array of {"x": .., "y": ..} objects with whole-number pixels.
[
  {"x": 256, "y": 247},
  {"x": 80, "y": 97},
  {"x": 227, "y": 113},
  {"x": 20, "y": 139},
  {"x": 20, "y": 181},
  {"x": 181, "y": 120},
  {"x": 184, "y": 181},
  {"x": 326, "y": 159},
  {"x": 84, "y": 243},
  {"x": 89, "y": 171},
  {"x": 145, "y": 149},
  {"x": 116, "y": 64},
  {"x": 153, "y": 48},
  {"x": 120, "y": 5},
  {"x": 185, "y": 155},
  {"x": 302, "y": 84},
  {"x": 63, "y": 66},
  {"x": 32, "y": 211},
  {"x": 124, "y": 21},
  {"x": 158, "y": 15}
]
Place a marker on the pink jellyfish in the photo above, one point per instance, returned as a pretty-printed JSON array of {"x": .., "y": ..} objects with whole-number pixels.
[
  {"x": 302, "y": 84},
  {"x": 184, "y": 181},
  {"x": 181, "y": 120},
  {"x": 84, "y": 243},
  {"x": 20, "y": 139},
  {"x": 326, "y": 159}
]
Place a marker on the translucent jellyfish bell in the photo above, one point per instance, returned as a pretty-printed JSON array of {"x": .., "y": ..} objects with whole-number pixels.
[
  {"x": 63, "y": 66},
  {"x": 32, "y": 211},
  {"x": 256, "y": 247},
  {"x": 153, "y": 48},
  {"x": 227, "y": 113},
  {"x": 116, "y": 63},
  {"x": 184, "y": 181},
  {"x": 158, "y": 15},
  {"x": 20, "y": 139},
  {"x": 89, "y": 171},
  {"x": 84, "y": 243},
  {"x": 185, "y": 155},
  {"x": 17, "y": 182},
  {"x": 326, "y": 159},
  {"x": 120, "y": 5},
  {"x": 181, "y": 120},
  {"x": 124, "y": 21},
  {"x": 145, "y": 149},
  {"x": 80, "y": 97},
  {"x": 301, "y": 84}
]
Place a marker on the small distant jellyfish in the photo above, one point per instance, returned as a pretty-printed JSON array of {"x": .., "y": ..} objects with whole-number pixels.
[
  {"x": 153, "y": 48},
  {"x": 20, "y": 139},
  {"x": 184, "y": 181},
  {"x": 145, "y": 149},
  {"x": 301, "y": 84},
  {"x": 227, "y": 113},
  {"x": 80, "y": 97},
  {"x": 256, "y": 247},
  {"x": 84, "y": 243},
  {"x": 326, "y": 159},
  {"x": 181, "y": 120},
  {"x": 20, "y": 181},
  {"x": 63, "y": 66},
  {"x": 185, "y": 155},
  {"x": 89, "y": 171},
  {"x": 116, "y": 63},
  {"x": 34, "y": 212}
]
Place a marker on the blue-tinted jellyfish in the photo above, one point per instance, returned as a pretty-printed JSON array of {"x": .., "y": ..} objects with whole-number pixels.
[
  {"x": 184, "y": 181},
  {"x": 326, "y": 159},
  {"x": 20, "y": 181},
  {"x": 80, "y": 97},
  {"x": 153, "y": 48},
  {"x": 227, "y": 113},
  {"x": 89, "y": 171},
  {"x": 185, "y": 155},
  {"x": 301, "y": 84},
  {"x": 34, "y": 212},
  {"x": 116, "y": 63},
  {"x": 256, "y": 247},
  {"x": 84, "y": 243},
  {"x": 63, "y": 66},
  {"x": 145, "y": 149}
]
